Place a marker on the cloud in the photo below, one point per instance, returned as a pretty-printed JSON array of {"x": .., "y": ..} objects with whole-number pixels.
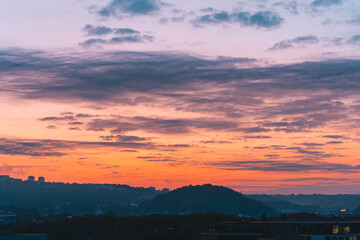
[
  {"x": 59, "y": 148},
  {"x": 116, "y": 40},
  {"x": 215, "y": 142},
  {"x": 151, "y": 71},
  {"x": 233, "y": 94},
  {"x": 291, "y": 6},
  {"x": 304, "y": 114},
  {"x": 123, "y": 138},
  {"x": 178, "y": 16},
  {"x": 92, "y": 42},
  {"x": 163, "y": 125},
  {"x": 226, "y": 98},
  {"x": 355, "y": 20},
  {"x": 155, "y": 159},
  {"x": 131, "y": 39},
  {"x": 96, "y": 31},
  {"x": 119, "y": 35},
  {"x": 285, "y": 166},
  {"x": 335, "y": 136},
  {"x": 82, "y": 115},
  {"x": 257, "y": 137},
  {"x": 253, "y": 130},
  {"x": 65, "y": 118},
  {"x": 295, "y": 42},
  {"x": 266, "y": 19},
  {"x": 129, "y": 151},
  {"x": 354, "y": 40},
  {"x": 325, "y": 3},
  {"x": 261, "y": 148},
  {"x": 121, "y": 8},
  {"x": 179, "y": 146},
  {"x": 161, "y": 160},
  {"x": 91, "y": 30},
  {"x": 312, "y": 144},
  {"x": 218, "y": 17},
  {"x": 75, "y": 123},
  {"x": 125, "y": 31},
  {"x": 315, "y": 178},
  {"x": 158, "y": 125},
  {"x": 29, "y": 148},
  {"x": 309, "y": 151},
  {"x": 272, "y": 156},
  {"x": 335, "y": 142},
  {"x": 261, "y": 19}
]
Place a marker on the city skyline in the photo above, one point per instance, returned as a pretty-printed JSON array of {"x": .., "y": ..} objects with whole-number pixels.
[{"x": 260, "y": 96}]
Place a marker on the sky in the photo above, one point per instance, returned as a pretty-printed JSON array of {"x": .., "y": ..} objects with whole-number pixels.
[{"x": 260, "y": 96}]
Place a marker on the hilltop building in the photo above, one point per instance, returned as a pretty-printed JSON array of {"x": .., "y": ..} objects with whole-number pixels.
[
  {"x": 41, "y": 180},
  {"x": 31, "y": 179},
  {"x": 8, "y": 179}
]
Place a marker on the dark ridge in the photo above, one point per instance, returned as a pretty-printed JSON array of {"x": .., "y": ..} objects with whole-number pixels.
[{"x": 202, "y": 198}]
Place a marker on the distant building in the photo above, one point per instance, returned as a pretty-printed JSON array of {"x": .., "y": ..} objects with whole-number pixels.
[
  {"x": 41, "y": 179},
  {"x": 15, "y": 180},
  {"x": 4, "y": 178},
  {"x": 286, "y": 230},
  {"x": 31, "y": 179}
]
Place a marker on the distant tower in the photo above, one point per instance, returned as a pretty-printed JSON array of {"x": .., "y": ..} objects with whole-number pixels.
[
  {"x": 41, "y": 180},
  {"x": 31, "y": 179}
]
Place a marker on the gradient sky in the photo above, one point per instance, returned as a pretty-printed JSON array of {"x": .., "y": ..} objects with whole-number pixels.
[{"x": 260, "y": 96}]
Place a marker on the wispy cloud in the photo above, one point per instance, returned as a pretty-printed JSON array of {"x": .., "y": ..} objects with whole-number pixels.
[
  {"x": 117, "y": 36},
  {"x": 58, "y": 148},
  {"x": 261, "y": 19},
  {"x": 354, "y": 40},
  {"x": 97, "y": 31},
  {"x": 301, "y": 41},
  {"x": 325, "y": 3},
  {"x": 285, "y": 166}
]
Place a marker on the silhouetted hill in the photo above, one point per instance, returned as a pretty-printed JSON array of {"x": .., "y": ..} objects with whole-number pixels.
[
  {"x": 72, "y": 199},
  {"x": 356, "y": 211},
  {"x": 199, "y": 199},
  {"x": 284, "y": 206}
]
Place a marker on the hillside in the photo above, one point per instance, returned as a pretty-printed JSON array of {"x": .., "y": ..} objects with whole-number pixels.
[
  {"x": 199, "y": 199},
  {"x": 313, "y": 202},
  {"x": 74, "y": 199}
]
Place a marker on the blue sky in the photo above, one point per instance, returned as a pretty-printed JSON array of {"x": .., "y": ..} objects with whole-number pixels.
[{"x": 181, "y": 26}]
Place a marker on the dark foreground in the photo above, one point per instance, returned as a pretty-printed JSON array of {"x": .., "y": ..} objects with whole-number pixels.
[{"x": 151, "y": 227}]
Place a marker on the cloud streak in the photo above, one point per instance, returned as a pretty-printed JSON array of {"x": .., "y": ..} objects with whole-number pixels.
[
  {"x": 59, "y": 148},
  {"x": 91, "y": 30},
  {"x": 285, "y": 166},
  {"x": 261, "y": 19},
  {"x": 325, "y": 3},
  {"x": 301, "y": 41}
]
